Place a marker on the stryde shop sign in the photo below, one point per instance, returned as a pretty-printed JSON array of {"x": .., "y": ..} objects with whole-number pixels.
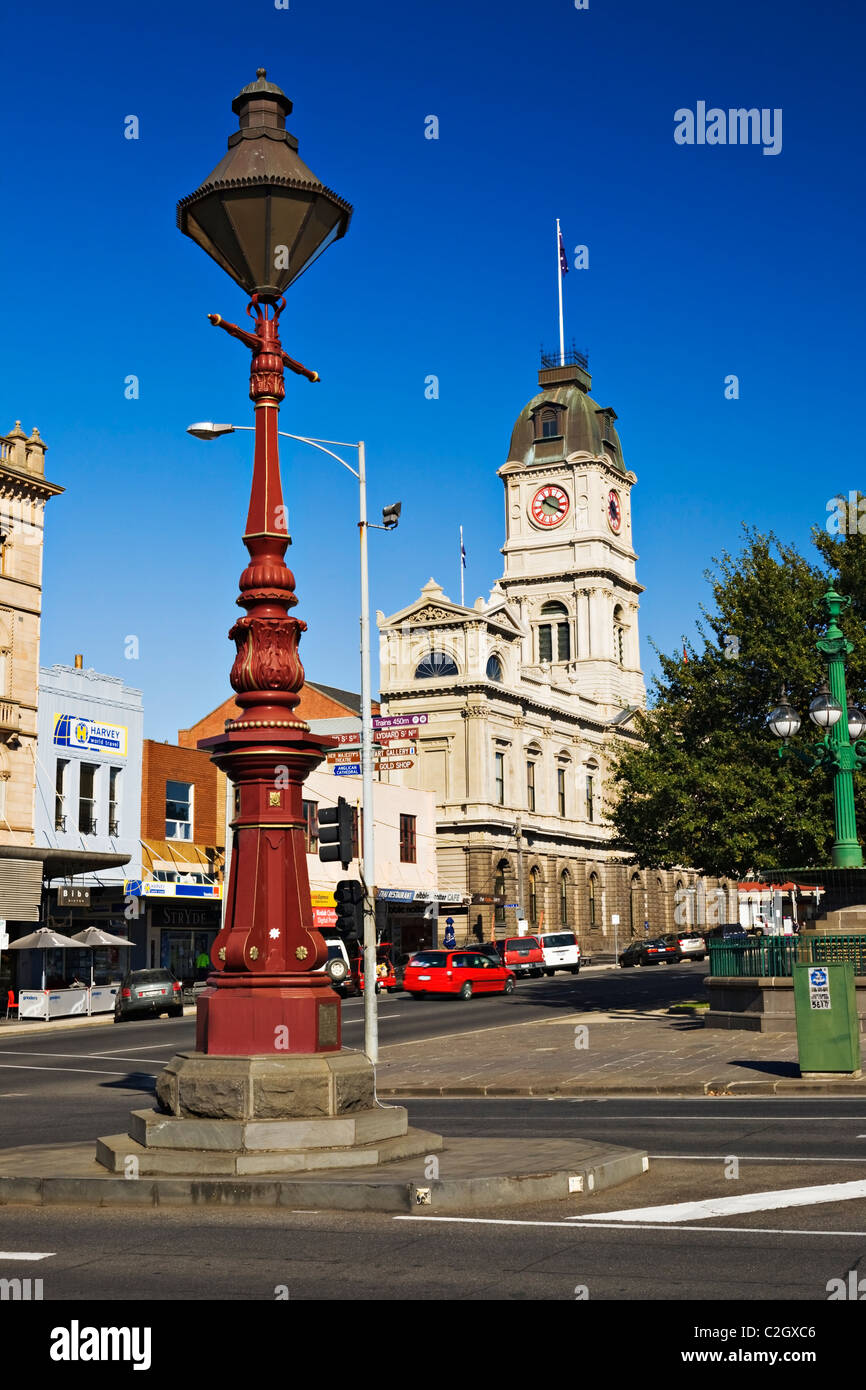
[{"x": 75, "y": 731}]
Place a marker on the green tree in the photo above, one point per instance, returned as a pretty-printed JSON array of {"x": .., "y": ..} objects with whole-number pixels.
[{"x": 706, "y": 786}]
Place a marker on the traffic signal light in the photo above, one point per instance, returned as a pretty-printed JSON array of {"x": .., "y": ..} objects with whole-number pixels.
[
  {"x": 391, "y": 515},
  {"x": 335, "y": 833},
  {"x": 349, "y": 898}
]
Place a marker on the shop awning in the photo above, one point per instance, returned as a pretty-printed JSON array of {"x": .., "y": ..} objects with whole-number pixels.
[{"x": 23, "y": 867}]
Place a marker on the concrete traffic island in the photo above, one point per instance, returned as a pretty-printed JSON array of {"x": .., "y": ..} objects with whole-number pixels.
[
  {"x": 474, "y": 1175},
  {"x": 304, "y": 1132}
]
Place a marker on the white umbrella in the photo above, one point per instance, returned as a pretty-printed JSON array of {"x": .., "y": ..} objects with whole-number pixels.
[
  {"x": 44, "y": 940},
  {"x": 92, "y": 937}
]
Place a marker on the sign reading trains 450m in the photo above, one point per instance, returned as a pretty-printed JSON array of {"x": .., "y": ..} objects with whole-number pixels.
[{"x": 77, "y": 731}]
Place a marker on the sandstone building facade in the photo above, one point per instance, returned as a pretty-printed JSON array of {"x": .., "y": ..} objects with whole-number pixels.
[{"x": 527, "y": 693}]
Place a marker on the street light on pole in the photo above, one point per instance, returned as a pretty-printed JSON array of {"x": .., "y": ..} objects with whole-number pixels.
[
  {"x": 841, "y": 750},
  {"x": 207, "y": 429}
]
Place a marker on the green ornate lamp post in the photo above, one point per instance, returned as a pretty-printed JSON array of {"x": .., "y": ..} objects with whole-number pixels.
[{"x": 841, "y": 750}]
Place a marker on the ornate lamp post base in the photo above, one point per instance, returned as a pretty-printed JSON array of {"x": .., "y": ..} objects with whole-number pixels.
[{"x": 264, "y": 997}]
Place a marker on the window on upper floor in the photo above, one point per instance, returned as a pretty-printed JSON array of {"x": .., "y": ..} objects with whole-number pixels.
[
  {"x": 408, "y": 850},
  {"x": 87, "y": 798},
  {"x": 178, "y": 810},
  {"x": 61, "y": 774},
  {"x": 549, "y": 425},
  {"x": 494, "y": 669},
  {"x": 530, "y": 785},
  {"x": 114, "y": 801},
  {"x": 560, "y": 789},
  {"x": 434, "y": 665},
  {"x": 554, "y": 632},
  {"x": 499, "y": 778}
]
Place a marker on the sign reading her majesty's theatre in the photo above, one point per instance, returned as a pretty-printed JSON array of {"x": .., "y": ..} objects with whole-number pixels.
[{"x": 76, "y": 731}]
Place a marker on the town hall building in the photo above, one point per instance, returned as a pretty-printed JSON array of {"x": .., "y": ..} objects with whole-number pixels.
[{"x": 528, "y": 693}]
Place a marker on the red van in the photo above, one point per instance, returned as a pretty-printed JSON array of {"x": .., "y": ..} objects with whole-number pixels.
[{"x": 522, "y": 954}]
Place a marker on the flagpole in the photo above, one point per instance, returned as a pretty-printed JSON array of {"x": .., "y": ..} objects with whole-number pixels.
[
  {"x": 462, "y": 568},
  {"x": 559, "y": 279}
]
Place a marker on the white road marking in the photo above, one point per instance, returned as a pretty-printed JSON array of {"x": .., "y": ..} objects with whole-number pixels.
[
  {"x": 385, "y": 1017},
  {"x": 142, "y": 1048},
  {"x": 734, "y": 1206},
  {"x": 86, "y": 1056},
  {"x": 10, "y": 1095},
  {"x": 581, "y": 1223},
  {"x": 755, "y": 1158},
  {"x": 91, "y": 1071},
  {"x": 26, "y": 1254}
]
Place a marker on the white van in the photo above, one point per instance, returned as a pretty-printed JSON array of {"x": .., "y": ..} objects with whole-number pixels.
[{"x": 561, "y": 951}]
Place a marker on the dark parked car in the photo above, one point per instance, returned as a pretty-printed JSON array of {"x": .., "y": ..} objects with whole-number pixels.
[
  {"x": 651, "y": 952},
  {"x": 147, "y": 993}
]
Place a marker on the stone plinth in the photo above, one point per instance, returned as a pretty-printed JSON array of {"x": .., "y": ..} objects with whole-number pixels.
[{"x": 235, "y": 1116}]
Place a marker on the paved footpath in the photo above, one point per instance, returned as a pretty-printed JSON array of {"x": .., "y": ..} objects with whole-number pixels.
[{"x": 630, "y": 1053}]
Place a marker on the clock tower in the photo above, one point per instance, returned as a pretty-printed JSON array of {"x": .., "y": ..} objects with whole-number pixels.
[{"x": 569, "y": 558}]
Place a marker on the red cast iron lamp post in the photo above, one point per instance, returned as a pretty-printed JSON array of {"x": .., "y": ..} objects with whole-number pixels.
[{"x": 264, "y": 217}]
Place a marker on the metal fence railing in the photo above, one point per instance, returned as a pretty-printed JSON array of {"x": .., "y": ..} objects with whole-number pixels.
[{"x": 776, "y": 955}]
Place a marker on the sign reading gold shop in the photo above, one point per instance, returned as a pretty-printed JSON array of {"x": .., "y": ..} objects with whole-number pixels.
[{"x": 77, "y": 731}]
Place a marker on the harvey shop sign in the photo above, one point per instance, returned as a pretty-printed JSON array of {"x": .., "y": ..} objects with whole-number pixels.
[{"x": 75, "y": 731}]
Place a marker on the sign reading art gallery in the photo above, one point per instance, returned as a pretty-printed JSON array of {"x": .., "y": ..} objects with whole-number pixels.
[{"x": 76, "y": 731}]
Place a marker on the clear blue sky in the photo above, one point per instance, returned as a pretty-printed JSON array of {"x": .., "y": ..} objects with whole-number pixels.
[{"x": 704, "y": 261}]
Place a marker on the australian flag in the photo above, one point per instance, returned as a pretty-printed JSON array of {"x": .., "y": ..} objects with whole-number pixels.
[{"x": 563, "y": 259}]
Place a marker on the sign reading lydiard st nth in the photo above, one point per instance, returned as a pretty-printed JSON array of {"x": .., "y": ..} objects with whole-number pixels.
[{"x": 77, "y": 731}]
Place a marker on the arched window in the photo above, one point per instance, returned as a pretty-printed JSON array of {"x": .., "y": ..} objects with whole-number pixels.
[
  {"x": 593, "y": 897},
  {"x": 435, "y": 664},
  {"x": 635, "y": 917},
  {"x": 619, "y": 634},
  {"x": 533, "y": 897},
  {"x": 499, "y": 892},
  {"x": 556, "y": 626},
  {"x": 494, "y": 668},
  {"x": 563, "y": 898}
]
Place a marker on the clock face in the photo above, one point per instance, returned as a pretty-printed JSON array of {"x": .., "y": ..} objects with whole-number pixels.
[
  {"x": 614, "y": 510},
  {"x": 549, "y": 506}
]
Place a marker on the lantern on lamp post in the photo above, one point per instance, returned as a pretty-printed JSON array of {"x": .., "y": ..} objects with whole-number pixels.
[
  {"x": 264, "y": 217},
  {"x": 841, "y": 751}
]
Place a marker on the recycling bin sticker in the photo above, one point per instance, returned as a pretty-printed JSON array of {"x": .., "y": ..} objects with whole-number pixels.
[{"x": 819, "y": 989}]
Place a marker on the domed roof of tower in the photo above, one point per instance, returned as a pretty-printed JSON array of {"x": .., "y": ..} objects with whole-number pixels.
[{"x": 563, "y": 419}]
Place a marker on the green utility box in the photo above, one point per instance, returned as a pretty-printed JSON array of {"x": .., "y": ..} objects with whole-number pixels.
[{"x": 828, "y": 1029}]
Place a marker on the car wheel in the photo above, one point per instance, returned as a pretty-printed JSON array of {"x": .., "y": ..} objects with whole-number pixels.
[
  {"x": 508, "y": 987},
  {"x": 176, "y": 1013},
  {"x": 575, "y": 970},
  {"x": 336, "y": 971},
  {"x": 118, "y": 1018},
  {"x": 466, "y": 990},
  {"x": 417, "y": 993},
  {"x": 550, "y": 972},
  {"x": 626, "y": 964}
]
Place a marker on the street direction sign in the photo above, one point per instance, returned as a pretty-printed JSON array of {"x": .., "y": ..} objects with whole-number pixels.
[
  {"x": 396, "y": 766},
  {"x": 344, "y": 756},
  {"x": 396, "y": 735},
  {"x": 398, "y": 751},
  {"x": 398, "y": 721},
  {"x": 347, "y": 770}
]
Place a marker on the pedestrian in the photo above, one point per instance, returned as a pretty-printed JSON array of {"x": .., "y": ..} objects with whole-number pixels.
[{"x": 202, "y": 964}]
